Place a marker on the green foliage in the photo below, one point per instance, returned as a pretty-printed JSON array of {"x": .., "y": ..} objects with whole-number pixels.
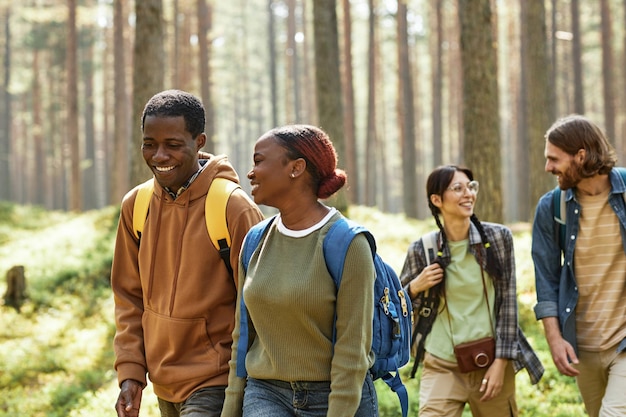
[
  {"x": 58, "y": 348},
  {"x": 56, "y": 356}
]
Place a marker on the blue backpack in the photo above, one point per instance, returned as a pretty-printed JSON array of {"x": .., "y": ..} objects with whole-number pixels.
[
  {"x": 560, "y": 210},
  {"x": 391, "y": 333}
]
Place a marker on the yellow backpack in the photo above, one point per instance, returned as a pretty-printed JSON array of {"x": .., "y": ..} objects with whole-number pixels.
[{"x": 214, "y": 213}]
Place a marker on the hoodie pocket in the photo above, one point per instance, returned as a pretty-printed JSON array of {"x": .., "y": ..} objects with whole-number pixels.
[{"x": 178, "y": 349}]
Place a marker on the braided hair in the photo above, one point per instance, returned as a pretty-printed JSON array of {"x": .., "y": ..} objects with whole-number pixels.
[{"x": 438, "y": 181}]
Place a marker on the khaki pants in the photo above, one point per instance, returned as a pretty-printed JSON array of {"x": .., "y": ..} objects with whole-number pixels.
[
  {"x": 444, "y": 391},
  {"x": 602, "y": 382}
]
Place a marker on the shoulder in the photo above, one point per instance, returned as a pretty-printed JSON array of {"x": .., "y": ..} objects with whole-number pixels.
[
  {"x": 496, "y": 228},
  {"x": 340, "y": 230},
  {"x": 618, "y": 179},
  {"x": 497, "y": 231},
  {"x": 546, "y": 200},
  {"x": 241, "y": 200}
]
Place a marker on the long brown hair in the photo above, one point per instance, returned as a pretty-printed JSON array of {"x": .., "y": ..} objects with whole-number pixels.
[{"x": 575, "y": 132}]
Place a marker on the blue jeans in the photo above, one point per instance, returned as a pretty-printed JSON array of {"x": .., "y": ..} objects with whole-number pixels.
[
  {"x": 270, "y": 398},
  {"x": 206, "y": 402}
]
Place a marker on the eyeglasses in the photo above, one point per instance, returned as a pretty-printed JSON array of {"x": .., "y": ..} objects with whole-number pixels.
[{"x": 459, "y": 188}]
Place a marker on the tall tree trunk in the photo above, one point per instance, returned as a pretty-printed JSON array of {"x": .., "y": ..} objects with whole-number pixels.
[
  {"x": 309, "y": 103},
  {"x": 205, "y": 21},
  {"x": 510, "y": 91},
  {"x": 38, "y": 130},
  {"x": 90, "y": 190},
  {"x": 105, "y": 139},
  {"x": 292, "y": 95},
  {"x": 176, "y": 41},
  {"x": 5, "y": 113},
  {"x": 372, "y": 173},
  {"x": 480, "y": 110},
  {"x": 553, "y": 62},
  {"x": 122, "y": 137},
  {"x": 522, "y": 161},
  {"x": 607, "y": 70},
  {"x": 328, "y": 81},
  {"x": 577, "y": 65},
  {"x": 148, "y": 72},
  {"x": 436, "y": 41},
  {"x": 75, "y": 198},
  {"x": 348, "y": 100},
  {"x": 455, "y": 91},
  {"x": 271, "y": 23},
  {"x": 406, "y": 114},
  {"x": 537, "y": 69}
]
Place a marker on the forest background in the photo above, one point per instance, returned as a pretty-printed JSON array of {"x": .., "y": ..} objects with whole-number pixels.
[{"x": 401, "y": 86}]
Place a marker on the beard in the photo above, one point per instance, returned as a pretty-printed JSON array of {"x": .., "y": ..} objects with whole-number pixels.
[{"x": 571, "y": 177}]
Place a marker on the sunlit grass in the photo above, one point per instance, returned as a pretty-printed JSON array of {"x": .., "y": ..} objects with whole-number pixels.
[{"x": 56, "y": 356}]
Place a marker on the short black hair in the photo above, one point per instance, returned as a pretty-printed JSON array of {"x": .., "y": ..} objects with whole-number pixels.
[{"x": 174, "y": 103}]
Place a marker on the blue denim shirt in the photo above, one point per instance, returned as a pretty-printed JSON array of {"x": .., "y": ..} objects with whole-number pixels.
[{"x": 557, "y": 291}]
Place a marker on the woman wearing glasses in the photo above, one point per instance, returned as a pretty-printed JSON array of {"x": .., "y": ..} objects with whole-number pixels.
[{"x": 475, "y": 345}]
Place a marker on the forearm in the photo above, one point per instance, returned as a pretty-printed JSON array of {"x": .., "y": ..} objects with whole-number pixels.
[{"x": 551, "y": 329}]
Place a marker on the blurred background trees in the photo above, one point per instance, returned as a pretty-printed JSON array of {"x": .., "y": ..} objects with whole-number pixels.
[{"x": 401, "y": 86}]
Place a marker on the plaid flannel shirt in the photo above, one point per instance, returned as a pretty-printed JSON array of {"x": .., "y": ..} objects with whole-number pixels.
[{"x": 510, "y": 340}]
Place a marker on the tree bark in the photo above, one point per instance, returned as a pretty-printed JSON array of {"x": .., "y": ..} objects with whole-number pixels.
[
  {"x": 537, "y": 69},
  {"x": 205, "y": 21},
  {"x": 75, "y": 195},
  {"x": 148, "y": 72},
  {"x": 608, "y": 86},
  {"x": 328, "y": 82},
  {"x": 271, "y": 29},
  {"x": 480, "y": 110},
  {"x": 348, "y": 99},
  {"x": 372, "y": 173},
  {"x": 577, "y": 66},
  {"x": 406, "y": 118},
  {"x": 436, "y": 41},
  {"x": 5, "y": 111},
  {"x": 122, "y": 137}
]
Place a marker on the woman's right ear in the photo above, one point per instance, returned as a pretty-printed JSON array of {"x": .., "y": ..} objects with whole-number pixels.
[{"x": 435, "y": 200}]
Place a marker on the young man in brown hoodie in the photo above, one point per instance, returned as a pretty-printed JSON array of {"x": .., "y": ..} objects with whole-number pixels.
[{"x": 174, "y": 296}]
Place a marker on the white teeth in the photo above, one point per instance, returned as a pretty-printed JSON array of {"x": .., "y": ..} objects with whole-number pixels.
[{"x": 164, "y": 169}]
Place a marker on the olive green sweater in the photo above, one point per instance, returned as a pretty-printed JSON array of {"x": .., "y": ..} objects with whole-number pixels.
[{"x": 291, "y": 300}]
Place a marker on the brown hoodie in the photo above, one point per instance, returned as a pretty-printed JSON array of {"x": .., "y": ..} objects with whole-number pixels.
[{"x": 174, "y": 298}]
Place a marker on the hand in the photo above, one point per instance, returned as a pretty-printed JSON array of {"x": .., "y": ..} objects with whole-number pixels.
[
  {"x": 562, "y": 351},
  {"x": 563, "y": 355},
  {"x": 129, "y": 400},
  {"x": 428, "y": 278},
  {"x": 493, "y": 380}
]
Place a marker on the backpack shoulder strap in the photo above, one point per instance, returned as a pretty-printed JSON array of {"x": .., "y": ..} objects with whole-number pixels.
[
  {"x": 142, "y": 203},
  {"x": 337, "y": 242},
  {"x": 622, "y": 172},
  {"x": 560, "y": 211},
  {"x": 428, "y": 304},
  {"x": 430, "y": 245},
  {"x": 253, "y": 239},
  {"x": 250, "y": 243},
  {"x": 215, "y": 216}
]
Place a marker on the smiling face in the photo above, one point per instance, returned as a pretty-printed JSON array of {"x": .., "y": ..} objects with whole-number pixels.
[
  {"x": 453, "y": 203},
  {"x": 563, "y": 165},
  {"x": 170, "y": 150},
  {"x": 270, "y": 177}
]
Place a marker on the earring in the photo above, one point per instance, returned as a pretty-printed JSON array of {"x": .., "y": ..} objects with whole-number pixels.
[{"x": 293, "y": 175}]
